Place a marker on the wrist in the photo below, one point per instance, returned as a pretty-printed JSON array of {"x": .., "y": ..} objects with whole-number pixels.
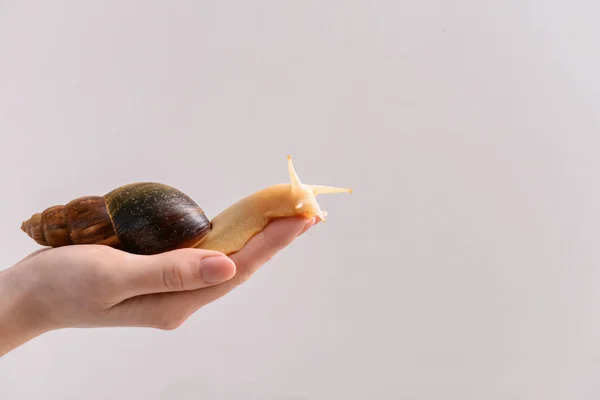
[{"x": 19, "y": 319}]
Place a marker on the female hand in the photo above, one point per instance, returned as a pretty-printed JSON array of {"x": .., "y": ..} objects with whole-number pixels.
[{"x": 98, "y": 286}]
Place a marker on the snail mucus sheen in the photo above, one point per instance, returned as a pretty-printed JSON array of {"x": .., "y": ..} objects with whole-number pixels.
[{"x": 150, "y": 218}]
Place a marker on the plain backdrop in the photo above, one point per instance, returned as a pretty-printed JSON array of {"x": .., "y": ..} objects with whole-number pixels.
[{"x": 464, "y": 266}]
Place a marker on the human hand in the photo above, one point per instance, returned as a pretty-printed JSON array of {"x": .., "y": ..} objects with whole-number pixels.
[{"x": 98, "y": 286}]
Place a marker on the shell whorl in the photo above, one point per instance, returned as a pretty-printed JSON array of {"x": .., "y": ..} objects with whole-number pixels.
[
  {"x": 84, "y": 220},
  {"x": 140, "y": 218}
]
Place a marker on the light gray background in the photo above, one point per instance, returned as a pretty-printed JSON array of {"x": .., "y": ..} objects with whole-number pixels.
[{"x": 465, "y": 265}]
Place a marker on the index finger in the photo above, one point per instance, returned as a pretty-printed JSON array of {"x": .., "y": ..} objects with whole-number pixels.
[{"x": 259, "y": 250}]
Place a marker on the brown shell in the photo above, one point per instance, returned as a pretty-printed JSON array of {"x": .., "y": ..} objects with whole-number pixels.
[{"x": 140, "y": 218}]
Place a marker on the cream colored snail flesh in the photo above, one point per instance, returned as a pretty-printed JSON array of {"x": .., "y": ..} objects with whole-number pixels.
[{"x": 150, "y": 218}]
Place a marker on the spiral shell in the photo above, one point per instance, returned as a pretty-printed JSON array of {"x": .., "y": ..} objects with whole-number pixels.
[{"x": 140, "y": 218}]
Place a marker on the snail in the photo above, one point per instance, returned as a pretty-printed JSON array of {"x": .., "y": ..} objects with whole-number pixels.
[{"x": 150, "y": 218}]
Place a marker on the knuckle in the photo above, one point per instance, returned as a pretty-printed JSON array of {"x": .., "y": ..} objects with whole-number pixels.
[{"x": 173, "y": 278}]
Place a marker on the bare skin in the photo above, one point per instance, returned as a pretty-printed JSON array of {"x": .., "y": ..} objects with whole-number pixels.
[{"x": 86, "y": 286}]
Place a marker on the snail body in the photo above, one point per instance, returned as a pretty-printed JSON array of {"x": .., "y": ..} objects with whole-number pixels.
[{"x": 150, "y": 218}]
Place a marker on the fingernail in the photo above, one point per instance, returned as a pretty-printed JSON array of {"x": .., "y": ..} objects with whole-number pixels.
[
  {"x": 308, "y": 225},
  {"x": 216, "y": 269}
]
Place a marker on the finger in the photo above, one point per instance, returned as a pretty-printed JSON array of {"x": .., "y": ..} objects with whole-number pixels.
[
  {"x": 313, "y": 221},
  {"x": 169, "y": 310},
  {"x": 265, "y": 245},
  {"x": 175, "y": 271},
  {"x": 35, "y": 253},
  {"x": 257, "y": 252}
]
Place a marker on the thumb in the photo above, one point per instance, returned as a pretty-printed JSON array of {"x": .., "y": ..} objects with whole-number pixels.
[{"x": 177, "y": 270}]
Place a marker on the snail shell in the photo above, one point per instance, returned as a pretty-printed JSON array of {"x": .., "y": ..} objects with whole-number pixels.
[{"x": 140, "y": 218}]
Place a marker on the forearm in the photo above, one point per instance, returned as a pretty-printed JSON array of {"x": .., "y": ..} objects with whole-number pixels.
[{"x": 18, "y": 322}]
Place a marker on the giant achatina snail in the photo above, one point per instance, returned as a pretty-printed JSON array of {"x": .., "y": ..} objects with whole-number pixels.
[{"x": 150, "y": 218}]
